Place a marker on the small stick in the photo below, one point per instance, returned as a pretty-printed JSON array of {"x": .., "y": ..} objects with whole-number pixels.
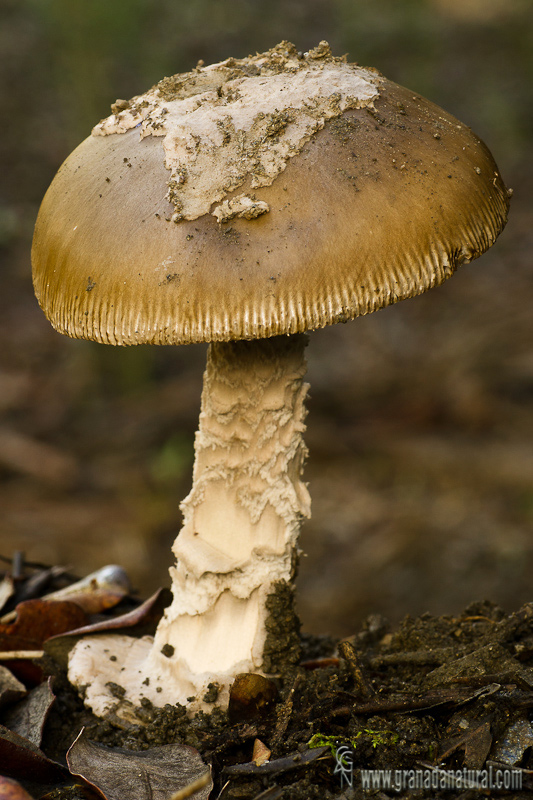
[
  {"x": 192, "y": 788},
  {"x": 362, "y": 686},
  {"x": 17, "y": 566},
  {"x": 284, "y": 714},
  {"x": 12, "y": 655},
  {"x": 437, "y": 656}
]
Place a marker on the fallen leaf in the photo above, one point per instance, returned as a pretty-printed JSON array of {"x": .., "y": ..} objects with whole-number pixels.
[
  {"x": 476, "y": 743},
  {"x": 7, "y": 589},
  {"x": 32, "y": 586},
  {"x": 11, "y": 689},
  {"x": 27, "y": 717},
  {"x": 96, "y": 592},
  {"x": 37, "y": 621},
  {"x": 152, "y": 774},
  {"x": 143, "y": 620},
  {"x": 477, "y": 747},
  {"x": 21, "y": 759},
  {"x": 11, "y": 790},
  {"x": 26, "y": 670}
]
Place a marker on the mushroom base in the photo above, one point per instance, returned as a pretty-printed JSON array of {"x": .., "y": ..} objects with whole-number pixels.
[{"x": 236, "y": 552}]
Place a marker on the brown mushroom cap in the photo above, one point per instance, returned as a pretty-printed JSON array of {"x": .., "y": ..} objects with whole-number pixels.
[{"x": 382, "y": 203}]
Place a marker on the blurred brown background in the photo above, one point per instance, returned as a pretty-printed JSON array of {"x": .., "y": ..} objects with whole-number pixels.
[{"x": 420, "y": 423}]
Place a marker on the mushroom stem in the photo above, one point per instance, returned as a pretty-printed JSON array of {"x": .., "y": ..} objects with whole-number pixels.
[
  {"x": 242, "y": 517},
  {"x": 237, "y": 551}
]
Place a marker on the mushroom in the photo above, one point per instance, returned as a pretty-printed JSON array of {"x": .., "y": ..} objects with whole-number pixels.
[{"x": 243, "y": 204}]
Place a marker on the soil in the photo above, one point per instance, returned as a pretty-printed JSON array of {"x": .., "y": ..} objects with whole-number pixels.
[{"x": 443, "y": 692}]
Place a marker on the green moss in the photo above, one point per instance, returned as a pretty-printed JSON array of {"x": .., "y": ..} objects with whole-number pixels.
[{"x": 383, "y": 738}]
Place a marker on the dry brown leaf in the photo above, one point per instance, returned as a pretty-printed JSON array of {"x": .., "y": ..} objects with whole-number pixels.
[
  {"x": 11, "y": 689},
  {"x": 37, "y": 621},
  {"x": 152, "y": 774},
  {"x": 28, "y": 716},
  {"x": 96, "y": 592},
  {"x": 22, "y": 759},
  {"x": 141, "y": 621},
  {"x": 11, "y": 790},
  {"x": 7, "y": 590}
]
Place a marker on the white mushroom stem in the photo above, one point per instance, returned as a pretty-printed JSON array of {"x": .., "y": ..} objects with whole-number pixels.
[
  {"x": 242, "y": 517},
  {"x": 236, "y": 553}
]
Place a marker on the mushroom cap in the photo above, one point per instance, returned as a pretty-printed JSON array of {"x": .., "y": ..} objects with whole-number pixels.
[{"x": 155, "y": 231}]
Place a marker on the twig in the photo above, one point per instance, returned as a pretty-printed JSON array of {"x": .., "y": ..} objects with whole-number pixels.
[
  {"x": 284, "y": 714},
  {"x": 192, "y": 788},
  {"x": 17, "y": 569},
  {"x": 362, "y": 686},
  {"x": 437, "y": 656},
  {"x": 453, "y": 698},
  {"x": 22, "y": 655},
  {"x": 279, "y": 765}
]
